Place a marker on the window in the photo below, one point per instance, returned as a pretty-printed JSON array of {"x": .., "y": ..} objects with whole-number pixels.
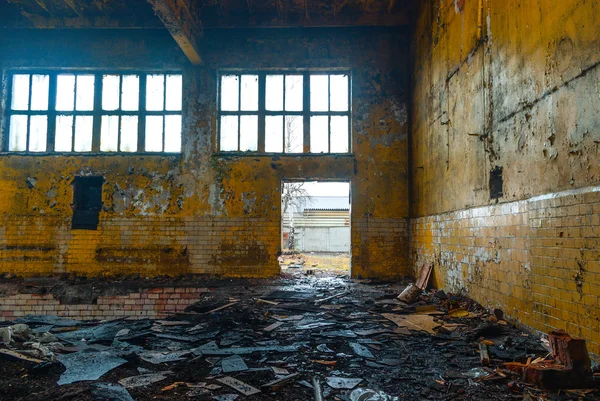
[
  {"x": 66, "y": 112},
  {"x": 290, "y": 112}
]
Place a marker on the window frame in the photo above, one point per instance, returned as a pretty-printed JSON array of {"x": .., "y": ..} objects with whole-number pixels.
[
  {"x": 97, "y": 112},
  {"x": 262, "y": 113}
]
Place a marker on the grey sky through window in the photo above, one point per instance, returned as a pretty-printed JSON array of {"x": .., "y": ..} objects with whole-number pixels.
[{"x": 299, "y": 112}]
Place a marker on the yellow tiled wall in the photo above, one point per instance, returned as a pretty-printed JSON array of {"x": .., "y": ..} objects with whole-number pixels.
[{"x": 538, "y": 260}]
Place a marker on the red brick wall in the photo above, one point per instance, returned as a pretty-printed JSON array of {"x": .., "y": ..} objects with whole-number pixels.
[{"x": 152, "y": 303}]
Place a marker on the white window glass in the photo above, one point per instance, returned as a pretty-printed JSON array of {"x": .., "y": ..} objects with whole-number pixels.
[
  {"x": 230, "y": 93},
  {"x": 110, "y": 92},
  {"x": 38, "y": 131},
  {"x": 339, "y": 134},
  {"x": 229, "y": 133},
  {"x": 274, "y": 134},
  {"x": 20, "y": 92},
  {"x": 339, "y": 92},
  {"x": 173, "y": 134},
  {"x": 39, "y": 92},
  {"x": 294, "y": 134},
  {"x": 319, "y": 134},
  {"x": 249, "y": 92},
  {"x": 155, "y": 92},
  {"x": 274, "y": 92},
  {"x": 109, "y": 134},
  {"x": 154, "y": 134},
  {"x": 85, "y": 93},
  {"x": 129, "y": 134},
  {"x": 174, "y": 92},
  {"x": 130, "y": 93},
  {"x": 248, "y": 133},
  {"x": 63, "y": 139},
  {"x": 294, "y": 92},
  {"x": 83, "y": 133},
  {"x": 17, "y": 138},
  {"x": 65, "y": 92},
  {"x": 319, "y": 93}
]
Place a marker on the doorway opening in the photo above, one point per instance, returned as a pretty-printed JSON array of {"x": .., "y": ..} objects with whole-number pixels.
[{"x": 315, "y": 227}]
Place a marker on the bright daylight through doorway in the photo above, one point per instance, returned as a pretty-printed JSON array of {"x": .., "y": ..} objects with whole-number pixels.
[{"x": 315, "y": 227}]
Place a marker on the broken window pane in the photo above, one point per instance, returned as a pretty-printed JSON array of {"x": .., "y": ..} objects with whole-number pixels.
[
  {"x": 248, "y": 133},
  {"x": 294, "y": 134},
  {"x": 249, "y": 92},
  {"x": 274, "y": 93},
  {"x": 173, "y": 134},
  {"x": 63, "y": 139},
  {"x": 155, "y": 92},
  {"x": 130, "y": 93},
  {"x": 274, "y": 134},
  {"x": 20, "y": 92},
  {"x": 17, "y": 140},
  {"x": 85, "y": 92},
  {"x": 65, "y": 92},
  {"x": 319, "y": 93},
  {"x": 294, "y": 92},
  {"x": 229, "y": 133},
  {"x": 154, "y": 134},
  {"x": 38, "y": 130},
  {"x": 174, "y": 94},
  {"x": 110, "y": 92},
  {"x": 229, "y": 92},
  {"x": 339, "y": 134},
  {"x": 83, "y": 133},
  {"x": 39, "y": 92},
  {"x": 319, "y": 132},
  {"x": 109, "y": 134},
  {"x": 339, "y": 92},
  {"x": 129, "y": 133}
]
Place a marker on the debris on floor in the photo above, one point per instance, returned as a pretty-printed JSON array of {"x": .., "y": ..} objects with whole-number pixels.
[{"x": 296, "y": 338}]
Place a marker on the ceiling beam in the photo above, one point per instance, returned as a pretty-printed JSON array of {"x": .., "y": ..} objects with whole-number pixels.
[
  {"x": 278, "y": 2},
  {"x": 75, "y": 8},
  {"x": 391, "y": 6},
  {"x": 300, "y": 21},
  {"x": 43, "y": 5},
  {"x": 182, "y": 23}
]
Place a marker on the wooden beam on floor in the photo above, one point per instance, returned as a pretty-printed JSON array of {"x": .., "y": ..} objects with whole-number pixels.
[{"x": 182, "y": 23}]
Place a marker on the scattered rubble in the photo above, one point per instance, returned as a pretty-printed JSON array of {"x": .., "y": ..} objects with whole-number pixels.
[{"x": 297, "y": 338}]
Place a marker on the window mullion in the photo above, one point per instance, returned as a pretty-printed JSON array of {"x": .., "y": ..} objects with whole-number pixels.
[
  {"x": 261, "y": 112},
  {"x": 142, "y": 114},
  {"x": 74, "y": 116},
  {"x": 30, "y": 112},
  {"x": 164, "y": 119},
  {"x": 306, "y": 108},
  {"x": 349, "y": 112},
  {"x": 120, "y": 113},
  {"x": 329, "y": 113},
  {"x": 51, "y": 138},
  {"x": 239, "y": 125},
  {"x": 97, "y": 114}
]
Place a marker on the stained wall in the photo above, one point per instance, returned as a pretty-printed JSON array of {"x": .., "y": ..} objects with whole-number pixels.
[
  {"x": 515, "y": 85},
  {"x": 205, "y": 212}
]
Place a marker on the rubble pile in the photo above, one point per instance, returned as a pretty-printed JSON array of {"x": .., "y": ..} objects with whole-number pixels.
[{"x": 297, "y": 338}]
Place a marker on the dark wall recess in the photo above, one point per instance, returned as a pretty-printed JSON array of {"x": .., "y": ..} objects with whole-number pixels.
[
  {"x": 87, "y": 202},
  {"x": 496, "y": 183}
]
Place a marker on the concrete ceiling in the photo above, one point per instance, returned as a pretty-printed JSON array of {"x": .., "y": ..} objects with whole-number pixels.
[
  {"x": 212, "y": 13},
  {"x": 186, "y": 19}
]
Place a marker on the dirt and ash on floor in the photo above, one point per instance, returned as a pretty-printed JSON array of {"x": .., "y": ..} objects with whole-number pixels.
[{"x": 279, "y": 339}]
